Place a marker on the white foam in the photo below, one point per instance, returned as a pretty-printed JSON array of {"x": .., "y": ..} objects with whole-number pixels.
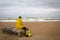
[
  {"x": 7, "y": 20},
  {"x": 31, "y": 20}
]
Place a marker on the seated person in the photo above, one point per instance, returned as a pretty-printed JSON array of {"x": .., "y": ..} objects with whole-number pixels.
[{"x": 19, "y": 25}]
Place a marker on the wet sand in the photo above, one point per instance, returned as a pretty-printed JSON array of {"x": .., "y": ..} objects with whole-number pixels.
[{"x": 39, "y": 30}]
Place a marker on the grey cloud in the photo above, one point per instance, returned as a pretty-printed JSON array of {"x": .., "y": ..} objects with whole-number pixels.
[
  {"x": 42, "y": 3},
  {"x": 33, "y": 3},
  {"x": 5, "y": 5}
]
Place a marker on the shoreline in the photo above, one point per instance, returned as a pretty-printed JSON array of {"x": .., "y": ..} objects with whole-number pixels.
[{"x": 31, "y": 20}]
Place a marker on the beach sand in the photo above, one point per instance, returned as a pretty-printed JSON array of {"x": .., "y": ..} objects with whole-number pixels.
[{"x": 39, "y": 30}]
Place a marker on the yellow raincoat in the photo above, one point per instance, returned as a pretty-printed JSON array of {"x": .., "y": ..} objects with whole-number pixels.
[{"x": 19, "y": 24}]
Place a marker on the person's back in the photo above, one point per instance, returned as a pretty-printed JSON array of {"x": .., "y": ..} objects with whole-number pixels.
[
  {"x": 19, "y": 23},
  {"x": 20, "y": 26}
]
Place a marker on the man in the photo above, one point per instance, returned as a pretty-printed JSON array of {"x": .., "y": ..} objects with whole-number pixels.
[
  {"x": 19, "y": 23},
  {"x": 20, "y": 26}
]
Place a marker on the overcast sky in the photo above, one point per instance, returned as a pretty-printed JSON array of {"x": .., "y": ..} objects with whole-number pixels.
[{"x": 30, "y": 8}]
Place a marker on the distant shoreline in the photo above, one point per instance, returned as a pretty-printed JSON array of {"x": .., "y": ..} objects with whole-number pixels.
[{"x": 31, "y": 20}]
